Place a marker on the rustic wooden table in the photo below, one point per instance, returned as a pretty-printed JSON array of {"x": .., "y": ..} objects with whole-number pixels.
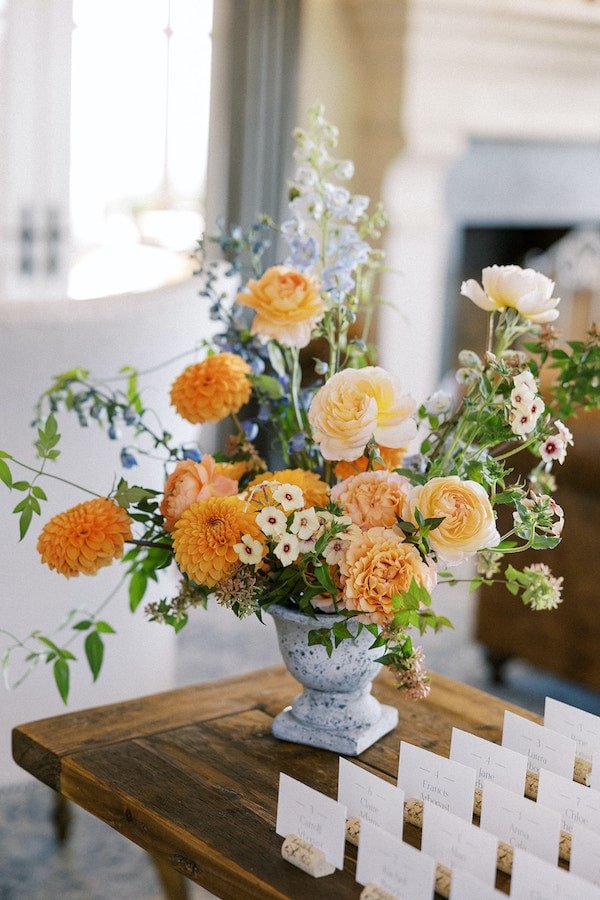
[{"x": 191, "y": 775}]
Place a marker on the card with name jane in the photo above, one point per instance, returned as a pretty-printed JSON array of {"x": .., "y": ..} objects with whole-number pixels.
[{"x": 492, "y": 762}]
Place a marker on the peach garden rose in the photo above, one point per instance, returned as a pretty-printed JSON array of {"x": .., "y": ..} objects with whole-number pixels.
[
  {"x": 469, "y": 523},
  {"x": 373, "y": 498},
  {"x": 287, "y": 304},
  {"x": 192, "y": 481}
]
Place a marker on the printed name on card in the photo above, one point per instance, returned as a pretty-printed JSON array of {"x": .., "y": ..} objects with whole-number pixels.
[
  {"x": 426, "y": 776},
  {"x": 492, "y": 762},
  {"x": 312, "y": 816},
  {"x": 465, "y": 887},
  {"x": 574, "y": 802},
  {"x": 534, "y": 879},
  {"x": 585, "y": 854},
  {"x": 371, "y": 798},
  {"x": 457, "y": 844},
  {"x": 520, "y": 822},
  {"x": 396, "y": 867},
  {"x": 544, "y": 749},
  {"x": 583, "y": 727}
]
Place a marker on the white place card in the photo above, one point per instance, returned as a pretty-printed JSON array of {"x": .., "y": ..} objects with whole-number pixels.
[
  {"x": 544, "y": 749},
  {"x": 574, "y": 802},
  {"x": 465, "y": 887},
  {"x": 583, "y": 727},
  {"x": 593, "y": 778},
  {"x": 371, "y": 798},
  {"x": 520, "y": 822},
  {"x": 313, "y": 817},
  {"x": 426, "y": 776},
  {"x": 585, "y": 854},
  {"x": 492, "y": 762},
  {"x": 457, "y": 844},
  {"x": 534, "y": 879},
  {"x": 394, "y": 866}
]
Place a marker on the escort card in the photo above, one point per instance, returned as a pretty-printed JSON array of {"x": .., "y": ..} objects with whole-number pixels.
[
  {"x": 582, "y": 727},
  {"x": 371, "y": 798},
  {"x": 394, "y": 866},
  {"x": 534, "y": 879},
  {"x": 313, "y": 817},
  {"x": 426, "y": 776},
  {"x": 457, "y": 844},
  {"x": 465, "y": 887},
  {"x": 573, "y": 801},
  {"x": 594, "y": 776},
  {"x": 544, "y": 749},
  {"x": 520, "y": 822},
  {"x": 585, "y": 854},
  {"x": 490, "y": 761}
]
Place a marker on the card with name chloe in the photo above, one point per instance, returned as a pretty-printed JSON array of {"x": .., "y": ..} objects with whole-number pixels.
[
  {"x": 492, "y": 762},
  {"x": 313, "y": 817},
  {"x": 574, "y": 802},
  {"x": 534, "y": 879},
  {"x": 426, "y": 776},
  {"x": 371, "y": 798},
  {"x": 520, "y": 822},
  {"x": 457, "y": 844},
  {"x": 544, "y": 749},
  {"x": 583, "y": 727},
  {"x": 392, "y": 865}
]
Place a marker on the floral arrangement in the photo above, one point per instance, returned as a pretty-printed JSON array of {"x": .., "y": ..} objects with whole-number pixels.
[{"x": 368, "y": 499}]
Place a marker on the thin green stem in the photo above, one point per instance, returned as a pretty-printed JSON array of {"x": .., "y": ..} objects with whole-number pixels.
[{"x": 55, "y": 477}]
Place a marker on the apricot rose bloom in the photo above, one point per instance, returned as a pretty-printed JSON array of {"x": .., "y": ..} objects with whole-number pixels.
[
  {"x": 213, "y": 389},
  {"x": 469, "y": 524},
  {"x": 527, "y": 291},
  {"x": 373, "y": 498},
  {"x": 287, "y": 304},
  {"x": 356, "y": 405},
  {"x": 314, "y": 490},
  {"x": 85, "y": 538},
  {"x": 392, "y": 459},
  {"x": 205, "y": 536},
  {"x": 375, "y": 567},
  {"x": 191, "y": 481}
]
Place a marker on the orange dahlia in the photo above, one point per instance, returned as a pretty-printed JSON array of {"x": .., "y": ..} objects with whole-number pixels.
[
  {"x": 211, "y": 390},
  {"x": 315, "y": 491},
  {"x": 85, "y": 537},
  {"x": 205, "y": 536},
  {"x": 391, "y": 456}
]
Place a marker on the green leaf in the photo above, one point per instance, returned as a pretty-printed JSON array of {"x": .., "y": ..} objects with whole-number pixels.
[
  {"x": 94, "y": 650},
  {"x": 21, "y": 485},
  {"x": 37, "y": 491},
  {"x": 25, "y": 522},
  {"x": 126, "y": 496},
  {"x": 5, "y": 475},
  {"x": 104, "y": 628},
  {"x": 276, "y": 358},
  {"x": 137, "y": 589},
  {"x": 267, "y": 386},
  {"x": 83, "y": 625},
  {"x": 61, "y": 677}
]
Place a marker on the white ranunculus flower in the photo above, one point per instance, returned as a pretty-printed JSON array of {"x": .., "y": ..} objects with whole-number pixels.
[{"x": 527, "y": 291}]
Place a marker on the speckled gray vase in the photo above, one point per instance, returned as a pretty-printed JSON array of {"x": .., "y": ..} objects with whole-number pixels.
[{"x": 336, "y": 710}]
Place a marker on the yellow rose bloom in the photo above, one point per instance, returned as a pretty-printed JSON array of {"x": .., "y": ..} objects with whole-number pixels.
[
  {"x": 210, "y": 390},
  {"x": 469, "y": 524},
  {"x": 375, "y": 567},
  {"x": 356, "y": 405},
  {"x": 314, "y": 490},
  {"x": 85, "y": 538},
  {"x": 527, "y": 291},
  {"x": 205, "y": 536},
  {"x": 287, "y": 304}
]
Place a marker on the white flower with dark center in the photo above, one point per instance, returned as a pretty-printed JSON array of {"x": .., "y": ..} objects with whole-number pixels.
[
  {"x": 334, "y": 551},
  {"x": 525, "y": 380},
  {"x": 249, "y": 550},
  {"x": 287, "y": 550},
  {"x": 271, "y": 521},
  {"x": 289, "y": 496},
  {"x": 521, "y": 422},
  {"x": 521, "y": 398},
  {"x": 305, "y": 524}
]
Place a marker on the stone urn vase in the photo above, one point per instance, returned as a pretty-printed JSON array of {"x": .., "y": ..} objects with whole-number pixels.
[{"x": 336, "y": 709}]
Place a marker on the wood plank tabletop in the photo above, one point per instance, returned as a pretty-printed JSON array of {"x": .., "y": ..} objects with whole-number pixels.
[{"x": 191, "y": 775}]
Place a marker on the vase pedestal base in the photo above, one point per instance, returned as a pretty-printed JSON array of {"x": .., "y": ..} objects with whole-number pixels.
[{"x": 347, "y": 741}]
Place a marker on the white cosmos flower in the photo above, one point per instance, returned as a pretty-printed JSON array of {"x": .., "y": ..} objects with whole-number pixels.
[
  {"x": 287, "y": 550},
  {"x": 249, "y": 550},
  {"x": 305, "y": 524},
  {"x": 527, "y": 291},
  {"x": 271, "y": 521},
  {"x": 290, "y": 496}
]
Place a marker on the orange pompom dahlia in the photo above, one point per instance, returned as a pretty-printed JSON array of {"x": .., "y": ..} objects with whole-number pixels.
[
  {"x": 315, "y": 491},
  {"x": 205, "y": 536},
  {"x": 211, "y": 390},
  {"x": 85, "y": 538}
]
